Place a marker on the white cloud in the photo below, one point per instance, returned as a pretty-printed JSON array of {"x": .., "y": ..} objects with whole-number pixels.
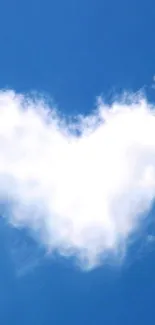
[{"x": 82, "y": 195}]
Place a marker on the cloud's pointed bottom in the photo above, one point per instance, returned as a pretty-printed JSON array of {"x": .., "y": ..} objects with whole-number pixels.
[{"x": 82, "y": 187}]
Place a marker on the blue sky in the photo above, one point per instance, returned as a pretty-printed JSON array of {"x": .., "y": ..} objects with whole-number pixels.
[{"x": 74, "y": 51}]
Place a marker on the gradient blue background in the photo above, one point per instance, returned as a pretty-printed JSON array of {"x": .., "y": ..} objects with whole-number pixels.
[{"x": 74, "y": 50}]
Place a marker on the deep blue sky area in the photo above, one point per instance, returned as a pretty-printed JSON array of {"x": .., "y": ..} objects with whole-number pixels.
[
  {"x": 76, "y": 50},
  {"x": 73, "y": 51}
]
